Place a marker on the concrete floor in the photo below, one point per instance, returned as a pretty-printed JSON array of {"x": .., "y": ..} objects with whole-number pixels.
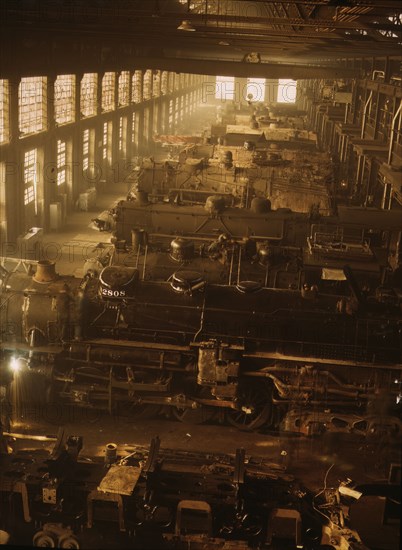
[
  {"x": 76, "y": 241},
  {"x": 306, "y": 458}
]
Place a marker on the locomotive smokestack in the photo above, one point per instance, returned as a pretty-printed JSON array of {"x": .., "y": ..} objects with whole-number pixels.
[{"x": 45, "y": 272}]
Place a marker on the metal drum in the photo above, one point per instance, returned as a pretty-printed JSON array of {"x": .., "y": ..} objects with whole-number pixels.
[
  {"x": 215, "y": 204},
  {"x": 181, "y": 249}
]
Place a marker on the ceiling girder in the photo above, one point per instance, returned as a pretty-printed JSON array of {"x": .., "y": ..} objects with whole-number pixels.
[{"x": 239, "y": 69}]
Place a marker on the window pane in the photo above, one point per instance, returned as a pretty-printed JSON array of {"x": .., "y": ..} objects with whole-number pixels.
[
  {"x": 286, "y": 91},
  {"x": 147, "y": 91},
  {"x": 108, "y": 82},
  {"x": 89, "y": 85},
  {"x": 61, "y": 162},
  {"x": 225, "y": 87},
  {"x": 30, "y": 175},
  {"x": 32, "y": 104},
  {"x": 137, "y": 87},
  {"x": 255, "y": 90},
  {"x": 64, "y": 99},
  {"x": 124, "y": 81},
  {"x": 4, "y": 112}
]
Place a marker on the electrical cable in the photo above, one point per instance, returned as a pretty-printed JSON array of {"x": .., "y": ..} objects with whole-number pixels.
[{"x": 322, "y": 491}]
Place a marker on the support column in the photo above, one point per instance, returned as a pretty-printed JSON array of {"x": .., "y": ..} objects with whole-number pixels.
[
  {"x": 271, "y": 90},
  {"x": 47, "y": 191},
  {"x": 13, "y": 176},
  {"x": 359, "y": 174},
  {"x": 73, "y": 186},
  {"x": 387, "y": 196},
  {"x": 368, "y": 201},
  {"x": 98, "y": 163},
  {"x": 114, "y": 169}
]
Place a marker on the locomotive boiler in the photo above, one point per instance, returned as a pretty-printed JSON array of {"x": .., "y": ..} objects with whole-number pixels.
[{"x": 240, "y": 352}]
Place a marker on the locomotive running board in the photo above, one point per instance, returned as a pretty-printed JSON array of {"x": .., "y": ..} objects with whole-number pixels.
[
  {"x": 133, "y": 344},
  {"x": 301, "y": 359}
]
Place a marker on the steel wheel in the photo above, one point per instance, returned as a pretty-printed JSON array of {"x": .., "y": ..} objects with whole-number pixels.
[
  {"x": 255, "y": 407},
  {"x": 44, "y": 539}
]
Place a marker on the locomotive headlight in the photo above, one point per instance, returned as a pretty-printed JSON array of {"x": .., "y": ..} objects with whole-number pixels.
[{"x": 15, "y": 364}]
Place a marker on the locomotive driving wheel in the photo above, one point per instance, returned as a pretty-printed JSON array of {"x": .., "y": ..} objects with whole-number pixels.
[{"x": 254, "y": 407}]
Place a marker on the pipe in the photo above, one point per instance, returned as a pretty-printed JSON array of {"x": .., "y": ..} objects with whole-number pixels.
[
  {"x": 360, "y": 171},
  {"x": 145, "y": 262},
  {"x": 346, "y": 113},
  {"x": 391, "y": 141},
  {"x": 377, "y": 72},
  {"x": 231, "y": 266},
  {"x": 370, "y": 97},
  {"x": 296, "y": 372},
  {"x": 238, "y": 268},
  {"x": 283, "y": 389}
]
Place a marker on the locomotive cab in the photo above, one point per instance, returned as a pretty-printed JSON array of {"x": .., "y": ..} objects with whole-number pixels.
[{"x": 117, "y": 282}]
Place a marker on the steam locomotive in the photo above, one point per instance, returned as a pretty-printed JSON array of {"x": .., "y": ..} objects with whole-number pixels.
[
  {"x": 279, "y": 248},
  {"x": 240, "y": 352},
  {"x": 217, "y": 216}
]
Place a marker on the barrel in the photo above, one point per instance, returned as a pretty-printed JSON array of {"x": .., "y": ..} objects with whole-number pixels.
[{"x": 110, "y": 453}]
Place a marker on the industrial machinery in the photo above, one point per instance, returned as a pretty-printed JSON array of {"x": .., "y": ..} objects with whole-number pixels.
[
  {"x": 161, "y": 498},
  {"x": 152, "y": 499},
  {"x": 241, "y": 352}
]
